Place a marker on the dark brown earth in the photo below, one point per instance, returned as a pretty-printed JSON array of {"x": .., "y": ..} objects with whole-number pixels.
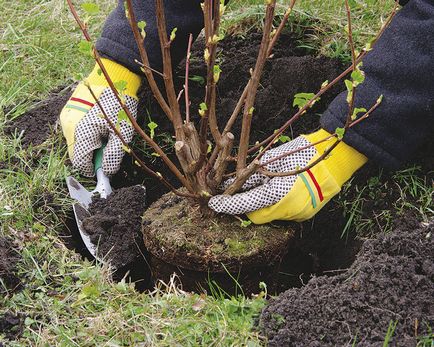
[
  {"x": 8, "y": 261},
  {"x": 392, "y": 279},
  {"x": 11, "y": 325},
  {"x": 176, "y": 233},
  {"x": 38, "y": 123},
  {"x": 114, "y": 226}
]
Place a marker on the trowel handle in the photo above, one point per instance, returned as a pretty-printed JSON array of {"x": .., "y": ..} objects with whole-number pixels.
[
  {"x": 97, "y": 158},
  {"x": 103, "y": 183}
]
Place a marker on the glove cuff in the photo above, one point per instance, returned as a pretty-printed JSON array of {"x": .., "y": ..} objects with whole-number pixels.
[
  {"x": 117, "y": 73},
  {"x": 343, "y": 161}
]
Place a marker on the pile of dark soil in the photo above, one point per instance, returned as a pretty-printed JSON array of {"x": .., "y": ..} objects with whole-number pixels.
[
  {"x": 392, "y": 279},
  {"x": 115, "y": 226},
  {"x": 8, "y": 260},
  {"x": 11, "y": 325},
  {"x": 37, "y": 124}
]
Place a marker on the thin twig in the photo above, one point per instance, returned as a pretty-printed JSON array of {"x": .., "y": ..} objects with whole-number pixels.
[
  {"x": 145, "y": 61},
  {"x": 281, "y": 27},
  {"x": 148, "y": 68},
  {"x": 167, "y": 70},
  {"x": 251, "y": 94}
]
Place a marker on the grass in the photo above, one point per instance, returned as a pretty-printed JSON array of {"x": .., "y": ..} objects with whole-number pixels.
[{"x": 66, "y": 300}]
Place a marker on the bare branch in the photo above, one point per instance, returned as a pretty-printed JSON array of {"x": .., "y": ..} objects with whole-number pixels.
[
  {"x": 251, "y": 94},
  {"x": 187, "y": 68},
  {"x": 167, "y": 70},
  {"x": 147, "y": 70},
  {"x": 280, "y": 27}
]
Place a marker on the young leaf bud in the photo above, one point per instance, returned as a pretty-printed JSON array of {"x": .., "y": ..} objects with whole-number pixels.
[
  {"x": 173, "y": 34},
  {"x": 126, "y": 149},
  {"x": 217, "y": 72},
  {"x": 206, "y": 55}
]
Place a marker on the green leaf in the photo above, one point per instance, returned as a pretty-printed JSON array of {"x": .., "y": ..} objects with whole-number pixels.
[
  {"x": 142, "y": 25},
  {"x": 349, "y": 86},
  {"x": 90, "y": 8},
  {"x": 245, "y": 223},
  {"x": 85, "y": 47},
  {"x": 202, "y": 109},
  {"x": 152, "y": 126},
  {"x": 356, "y": 111},
  {"x": 120, "y": 86},
  {"x": 301, "y": 99},
  {"x": 217, "y": 72},
  {"x": 284, "y": 138},
  {"x": 340, "y": 133},
  {"x": 358, "y": 77},
  {"x": 203, "y": 106},
  {"x": 198, "y": 79},
  {"x": 122, "y": 116}
]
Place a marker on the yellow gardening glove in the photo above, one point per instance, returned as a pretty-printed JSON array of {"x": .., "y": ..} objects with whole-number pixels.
[
  {"x": 298, "y": 197},
  {"x": 84, "y": 126}
]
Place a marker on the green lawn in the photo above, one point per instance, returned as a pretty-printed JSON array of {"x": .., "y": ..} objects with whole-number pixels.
[{"x": 71, "y": 302}]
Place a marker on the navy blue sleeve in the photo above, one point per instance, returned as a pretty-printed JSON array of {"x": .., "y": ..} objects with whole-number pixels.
[
  {"x": 117, "y": 41},
  {"x": 400, "y": 67}
]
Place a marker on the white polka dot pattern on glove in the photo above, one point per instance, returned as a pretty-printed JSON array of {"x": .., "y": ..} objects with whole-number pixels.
[
  {"x": 93, "y": 128},
  {"x": 263, "y": 190}
]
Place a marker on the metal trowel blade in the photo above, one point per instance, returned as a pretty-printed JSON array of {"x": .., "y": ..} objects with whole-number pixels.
[
  {"x": 80, "y": 214},
  {"x": 78, "y": 192}
]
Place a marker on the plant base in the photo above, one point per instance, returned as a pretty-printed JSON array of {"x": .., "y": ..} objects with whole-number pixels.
[{"x": 211, "y": 250}]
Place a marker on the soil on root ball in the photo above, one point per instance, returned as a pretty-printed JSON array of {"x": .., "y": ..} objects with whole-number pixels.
[
  {"x": 8, "y": 260},
  {"x": 114, "y": 226},
  {"x": 200, "y": 249},
  {"x": 392, "y": 280}
]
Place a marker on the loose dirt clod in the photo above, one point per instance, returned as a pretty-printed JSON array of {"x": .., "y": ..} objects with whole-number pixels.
[
  {"x": 8, "y": 260},
  {"x": 392, "y": 279},
  {"x": 11, "y": 325},
  {"x": 115, "y": 225}
]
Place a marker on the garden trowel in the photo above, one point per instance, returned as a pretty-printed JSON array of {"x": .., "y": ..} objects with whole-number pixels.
[{"x": 83, "y": 198}]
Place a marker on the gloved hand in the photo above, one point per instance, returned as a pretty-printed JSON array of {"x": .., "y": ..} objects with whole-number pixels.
[
  {"x": 84, "y": 126},
  {"x": 293, "y": 197}
]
